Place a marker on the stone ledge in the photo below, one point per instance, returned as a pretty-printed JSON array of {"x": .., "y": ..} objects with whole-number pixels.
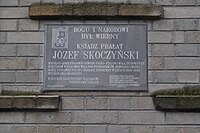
[
  {"x": 94, "y": 11},
  {"x": 32, "y": 102},
  {"x": 178, "y": 103}
]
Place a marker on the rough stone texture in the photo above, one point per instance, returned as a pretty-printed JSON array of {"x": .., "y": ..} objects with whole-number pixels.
[
  {"x": 14, "y": 12},
  {"x": 164, "y": 2},
  {"x": 155, "y": 63},
  {"x": 166, "y": 130},
  {"x": 28, "y": 50},
  {"x": 25, "y": 129},
  {"x": 187, "y": 49},
  {"x": 188, "y": 76},
  {"x": 72, "y": 129},
  {"x": 163, "y": 50},
  {"x": 189, "y": 130},
  {"x": 119, "y": 103},
  {"x": 73, "y": 103},
  {"x": 27, "y": 2},
  {"x": 118, "y": 129},
  {"x": 173, "y": 102},
  {"x": 159, "y": 37},
  {"x": 142, "y": 103},
  {"x": 7, "y": 50},
  {"x": 193, "y": 36},
  {"x": 95, "y": 129},
  {"x": 165, "y": 77},
  {"x": 8, "y": 25},
  {"x": 186, "y": 24},
  {"x": 25, "y": 76},
  {"x": 35, "y": 63},
  {"x": 95, "y": 10},
  {"x": 7, "y": 76},
  {"x": 49, "y": 129},
  {"x": 184, "y": 2},
  {"x": 141, "y": 117},
  {"x": 25, "y": 37},
  {"x": 109, "y": 117},
  {"x": 96, "y": 103},
  {"x": 141, "y": 129},
  {"x": 13, "y": 63},
  {"x": 48, "y": 117},
  {"x": 182, "y": 63},
  {"x": 180, "y": 12},
  {"x": 2, "y": 37},
  {"x": 163, "y": 25},
  {"x": 6, "y": 128},
  {"x": 31, "y": 102},
  {"x": 182, "y": 118},
  {"x": 28, "y": 25},
  {"x": 9, "y": 3},
  {"x": 12, "y": 117}
]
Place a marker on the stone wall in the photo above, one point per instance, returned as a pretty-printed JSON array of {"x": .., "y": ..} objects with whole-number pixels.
[{"x": 173, "y": 49}]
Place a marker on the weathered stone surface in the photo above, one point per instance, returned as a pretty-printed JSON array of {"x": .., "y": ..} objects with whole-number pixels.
[
  {"x": 95, "y": 11},
  {"x": 180, "y": 103},
  {"x": 32, "y": 102}
]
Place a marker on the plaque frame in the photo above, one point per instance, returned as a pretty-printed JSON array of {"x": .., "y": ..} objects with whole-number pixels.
[{"x": 94, "y": 89}]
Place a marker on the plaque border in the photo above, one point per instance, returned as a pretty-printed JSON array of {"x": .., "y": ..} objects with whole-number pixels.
[{"x": 53, "y": 89}]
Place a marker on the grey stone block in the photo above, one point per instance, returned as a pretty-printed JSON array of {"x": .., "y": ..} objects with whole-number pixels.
[
  {"x": 166, "y": 129},
  {"x": 7, "y": 76},
  {"x": 193, "y": 129},
  {"x": 178, "y": 37},
  {"x": 141, "y": 129},
  {"x": 7, "y": 50},
  {"x": 180, "y": 12},
  {"x": 28, "y": 2},
  {"x": 142, "y": 103},
  {"x": 25, "y": 37},
  {"x": 28, "y": 50},
  {"x": 119, "y": 103},
  {"x": 12, "y": 117},
  {"x": 186, "y": 24},
  {"x": 28, "y": 25},
  {"x": 160, "y": 37},
  {"x": 156, "y": 63},
  {"x": 193, "y": 36},
  {"x": 164, "y": 2},
  {"x": 6, "y": 128},
  {"x": 163, "y": 50},
  {"x": 35, "y": 63},
  {"x": 74, "y": 1},
  {"x": 187, "y": 49},
  {"x": 163, "y": 25},
  {"x": 53, "y": 1},
  {"x": 182, "y": 63},
  {"x": 48, "y": 117},
  {"x": 109, "y": 117},
  {"x": 21, "y": 12},
  {"x": 25, "y": 129},
  {"x": 48, "y": 129},
  {"x": 118, "y": 129},
  {"x": 9, "y": 3},
  {"x": 182, "y": 118},
  {"x": 185, "y": 2},
  {"x": 73, "y": 103},
  {"x": 118, "y": 1},
  {"x": 26, "y": 76},
  {"x": 72, "y": 129},
  {"x": 8, "y": 25},
  {"x": 165, "y": 77},
  {"x": 95, "y": 129},
  {"x": 188, "y": 76},
  {"x": 2, "y": 37},
  {"x": 13, "y": 63},
  {"x": 96, "y": 103},
  {"x": 141, "y": 117},
  {"x": 140, "y": 1}
]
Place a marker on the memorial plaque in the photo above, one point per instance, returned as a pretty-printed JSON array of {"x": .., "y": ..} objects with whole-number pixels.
[{"x": 96, "y": 57}]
